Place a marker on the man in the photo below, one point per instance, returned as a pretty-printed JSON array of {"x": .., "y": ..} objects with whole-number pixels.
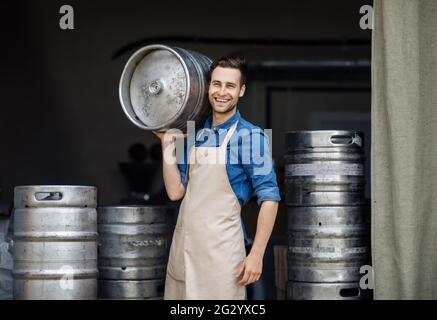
[{"x": 207, "y": 256}]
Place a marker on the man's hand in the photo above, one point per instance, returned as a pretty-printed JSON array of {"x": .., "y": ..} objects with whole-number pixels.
[
  {"x": 160, "y": 135},
  {"x": 170, "y": 172},
  {"x": 169, "y": 136},
  {"x": 250, "y": 269}
]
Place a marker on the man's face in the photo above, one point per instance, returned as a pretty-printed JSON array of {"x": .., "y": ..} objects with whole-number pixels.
[{"x": 225, "y": 89}]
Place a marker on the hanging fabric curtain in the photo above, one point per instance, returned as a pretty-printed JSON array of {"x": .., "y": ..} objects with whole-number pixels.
[{"x": 404, "y": 149}]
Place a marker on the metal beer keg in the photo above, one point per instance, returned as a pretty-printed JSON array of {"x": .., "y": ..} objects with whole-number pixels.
[
  {"x": 325, "y": 168},
  {"x": 133, "y": 251},
  {"x": 163, "y": 87},
  {"x": 328, "y": 219},
  {"x": 55, "y": 242},
  {"x": 326, "y": 291},
  {"x": 131, "y": 289},
  {"x": 6, "y": 262},
  {"x": 327, "y": 244},
  {"x": 132, "y": 242}
]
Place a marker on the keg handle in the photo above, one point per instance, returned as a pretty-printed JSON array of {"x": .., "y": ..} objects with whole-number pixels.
[
  {"x": 48, "y": 196},
  {"x": 349, "y": 292},
  {"x": 342, "y": 139}
]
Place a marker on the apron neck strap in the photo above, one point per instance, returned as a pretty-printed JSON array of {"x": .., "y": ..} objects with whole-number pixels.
[{"x": 229, "y": 135}]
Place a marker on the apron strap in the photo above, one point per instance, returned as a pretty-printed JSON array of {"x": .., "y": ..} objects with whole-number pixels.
[
  {"x": 229, "y": 135},
  {"x": 221, "y": 148}
]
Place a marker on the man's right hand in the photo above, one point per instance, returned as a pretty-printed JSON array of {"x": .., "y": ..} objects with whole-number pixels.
[
  {"x": 169, "y": 136},
  {"x": 172, "y": 178},
  {"x": 160, "y": 135}
]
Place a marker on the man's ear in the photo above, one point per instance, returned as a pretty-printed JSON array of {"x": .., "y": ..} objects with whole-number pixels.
[{"x": 242, "y": 90}]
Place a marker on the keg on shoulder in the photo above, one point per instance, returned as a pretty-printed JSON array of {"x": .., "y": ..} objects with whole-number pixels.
[
  {"x": 163, "y": 87},
  {"x": 133, "y": 251},
  {"x": 55, "y": 242},
  {"x": 328, "y": 219}
]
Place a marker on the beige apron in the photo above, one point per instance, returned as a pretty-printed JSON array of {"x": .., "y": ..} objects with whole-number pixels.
[{"x": 208, "y": 241}]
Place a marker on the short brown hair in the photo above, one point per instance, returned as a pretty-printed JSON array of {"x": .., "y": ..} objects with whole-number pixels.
[{"x": 233, "y": 62}]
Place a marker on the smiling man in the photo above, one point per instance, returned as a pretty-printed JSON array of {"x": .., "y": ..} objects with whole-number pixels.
[{"x": 207, "y": 256}]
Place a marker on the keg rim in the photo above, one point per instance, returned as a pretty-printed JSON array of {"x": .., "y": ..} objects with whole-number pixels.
[
  {"x": 133, "y": 206},
  {"x": 324, "y": 131},
  {"x": 133, "y": 281},
  {"x": 56, "y": 186},
  {"x": 128, "y": 106}
]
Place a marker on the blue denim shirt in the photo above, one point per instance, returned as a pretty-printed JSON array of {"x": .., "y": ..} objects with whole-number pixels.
[{"x": 249, "y": 164}]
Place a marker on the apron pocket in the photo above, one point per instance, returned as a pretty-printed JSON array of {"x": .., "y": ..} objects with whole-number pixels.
[{"x": 176, "y": 263}]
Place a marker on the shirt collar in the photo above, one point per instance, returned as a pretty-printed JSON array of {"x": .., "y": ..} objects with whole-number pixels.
[{"x": 225, "y": 125}]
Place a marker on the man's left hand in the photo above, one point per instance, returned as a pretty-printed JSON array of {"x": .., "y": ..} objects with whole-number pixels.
[{"x": 250, "y": 269}]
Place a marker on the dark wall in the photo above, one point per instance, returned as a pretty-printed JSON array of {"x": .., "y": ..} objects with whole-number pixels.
[{"x": 61, "y": 121}]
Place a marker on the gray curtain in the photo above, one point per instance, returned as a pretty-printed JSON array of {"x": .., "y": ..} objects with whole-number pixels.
[{"x": 404, "y": 149}]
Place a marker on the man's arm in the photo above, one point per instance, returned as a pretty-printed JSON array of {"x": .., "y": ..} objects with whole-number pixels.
[
  {"x": 251, "y": 267},
  {"x": 172, "y": 178}
]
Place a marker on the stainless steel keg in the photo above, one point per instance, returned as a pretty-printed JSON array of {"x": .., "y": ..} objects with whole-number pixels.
[
  {"x": 163, "y": 87},
  {"x": 326, "y": 291},
  {"x": 327, "y": 244},
  {"x": 6, "y": 262},
  {"x": 325, "y": 168},
  {"x": 131, "y": 289},
  {"x": 132, "y": 242},
  {"x": 328, "y": 219},
  {"x": 55, "y": 242}
]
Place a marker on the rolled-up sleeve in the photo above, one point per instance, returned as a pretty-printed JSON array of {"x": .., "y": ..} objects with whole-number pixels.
[{"x": 257, "y": 163}]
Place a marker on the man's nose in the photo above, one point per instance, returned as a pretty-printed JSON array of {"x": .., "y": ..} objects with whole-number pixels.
[{"x": 222, "y": 90}]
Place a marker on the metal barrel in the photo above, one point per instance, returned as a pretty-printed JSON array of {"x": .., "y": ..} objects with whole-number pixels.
[
  {"x": 132, "y": 242},
  {"x": 325, "y": 168},
  {"x": 55, "y": 242},
  {"x": 326, "y": 291},
  {"x": 163, "y": 87},
  {"x": 6, "y": 262},
  {"x": 328, "y": 216},
  {"x": 327, "y": 244},
  {"x": 131, "y": 289}
]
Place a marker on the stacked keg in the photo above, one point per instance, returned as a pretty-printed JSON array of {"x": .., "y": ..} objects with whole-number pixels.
[
  {"x": 133, "y": 252},
  {"x": 55, "y": 242},
  {"x": 328, "y": 225},
  {"x": 5, "y": 256}
]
